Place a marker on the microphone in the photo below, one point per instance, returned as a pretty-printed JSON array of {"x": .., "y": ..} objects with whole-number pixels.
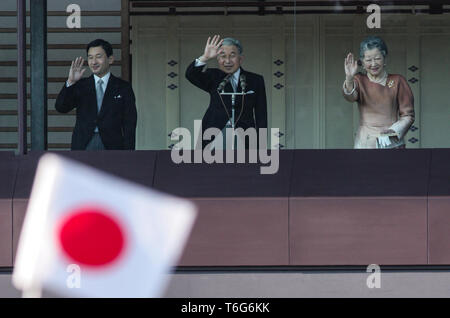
[
  {"x": 223, "y": 83},
  {"x": 243, "y": 81}
]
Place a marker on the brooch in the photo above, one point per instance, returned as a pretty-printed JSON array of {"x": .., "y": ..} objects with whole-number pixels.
[{"x": 391, "y": 83}]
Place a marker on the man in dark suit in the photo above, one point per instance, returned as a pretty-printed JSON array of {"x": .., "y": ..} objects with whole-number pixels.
[
  {"x": 106, "y": 108},
  {"x": 250, "y": 112}
]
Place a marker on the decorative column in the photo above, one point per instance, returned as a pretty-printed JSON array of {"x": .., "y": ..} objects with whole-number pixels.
[
  {"x": 412, "y": 139},
  {"x": 278, "y": 82},
  {"x": 172, "y": 79}
]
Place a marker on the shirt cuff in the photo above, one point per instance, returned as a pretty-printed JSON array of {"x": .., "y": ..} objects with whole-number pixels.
[
  {"x": 199, "y": 63},
  {"x": 345, "y": 89},
  {"x": 67, "y": 84}
]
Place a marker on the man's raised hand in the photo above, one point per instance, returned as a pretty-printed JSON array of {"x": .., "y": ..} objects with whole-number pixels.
[
  {"x": 76, "y": 70},
  {"x": 212, "y": 48}
]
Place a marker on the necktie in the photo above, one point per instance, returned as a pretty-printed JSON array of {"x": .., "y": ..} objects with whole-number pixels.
[
  {"x": 100, "y": 94},
  {"x": 233, "y": 83}
]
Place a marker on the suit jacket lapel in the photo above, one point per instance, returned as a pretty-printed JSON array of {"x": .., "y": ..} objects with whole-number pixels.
[
  {"x": 109, "y": 93},
  {"x": 91, "y": 94}
]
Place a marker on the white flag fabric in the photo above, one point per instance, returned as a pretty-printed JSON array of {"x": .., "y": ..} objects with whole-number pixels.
[{"x": 90, "y": 234}]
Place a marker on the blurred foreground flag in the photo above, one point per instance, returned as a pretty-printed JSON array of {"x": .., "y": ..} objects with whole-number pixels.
[{"x": 89, "y": 234}]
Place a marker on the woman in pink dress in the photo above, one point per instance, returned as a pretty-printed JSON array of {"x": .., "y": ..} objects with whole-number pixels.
[{"x": 385, "y": 101}]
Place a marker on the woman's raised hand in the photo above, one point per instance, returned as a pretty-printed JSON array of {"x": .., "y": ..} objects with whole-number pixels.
[{"x": 351, "y": 67}]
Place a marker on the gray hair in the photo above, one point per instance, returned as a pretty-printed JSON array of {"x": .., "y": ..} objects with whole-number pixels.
[
  {"x": 232, "y": 41},
  {"x": 372, "y": 42}
]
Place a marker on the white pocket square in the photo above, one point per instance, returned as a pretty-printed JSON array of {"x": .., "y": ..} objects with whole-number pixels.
[{"x": 117, "y": 96}]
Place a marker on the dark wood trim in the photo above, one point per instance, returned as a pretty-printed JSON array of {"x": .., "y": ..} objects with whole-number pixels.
[
  {"x": 14, "y": 96},
  {"x": 53, "y": 145},
  {"x": 49, "y": 79},
  {"x": 38, "y": 75},
  {"x": 278, "y": 12},
  {"x": 125, "y": 40},
  {"x": 299, "y": 3},
  {"x": 50, "y": 129},
  {"x": 67, "y": 30},
  {"x": 64, "y": 13},
  {"x": 50, "y": 63},
  {"x": 56, "y": 46},
  {"x": 21, "y": 95},
  {"x": 299, "y": 7},
  {"x": 50, "y": 112},
  {"x": 75, "y": 46}
]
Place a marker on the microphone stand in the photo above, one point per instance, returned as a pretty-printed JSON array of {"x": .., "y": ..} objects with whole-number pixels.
[{"x": 233, "y": 102}]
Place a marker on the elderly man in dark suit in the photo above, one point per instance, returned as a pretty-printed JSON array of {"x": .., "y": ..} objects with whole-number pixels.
[
  {"x": 250, "y": 112},
  {"x": 106, "y": 108}
]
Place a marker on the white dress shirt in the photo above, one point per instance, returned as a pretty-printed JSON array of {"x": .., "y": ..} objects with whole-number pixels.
[{"x": 234, "y": 78}]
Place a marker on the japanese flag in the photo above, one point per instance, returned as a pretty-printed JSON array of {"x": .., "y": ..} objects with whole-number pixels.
[{"x": 89, "y": 234}]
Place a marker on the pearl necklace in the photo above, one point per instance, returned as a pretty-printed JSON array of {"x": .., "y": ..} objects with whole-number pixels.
[{"x": 380, "y": 80}]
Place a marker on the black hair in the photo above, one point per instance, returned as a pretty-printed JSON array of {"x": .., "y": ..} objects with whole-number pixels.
[{"x": 104, "y": 44}]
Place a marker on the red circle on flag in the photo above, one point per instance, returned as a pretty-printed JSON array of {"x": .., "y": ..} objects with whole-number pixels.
[{"x": 91, "y": 237}]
